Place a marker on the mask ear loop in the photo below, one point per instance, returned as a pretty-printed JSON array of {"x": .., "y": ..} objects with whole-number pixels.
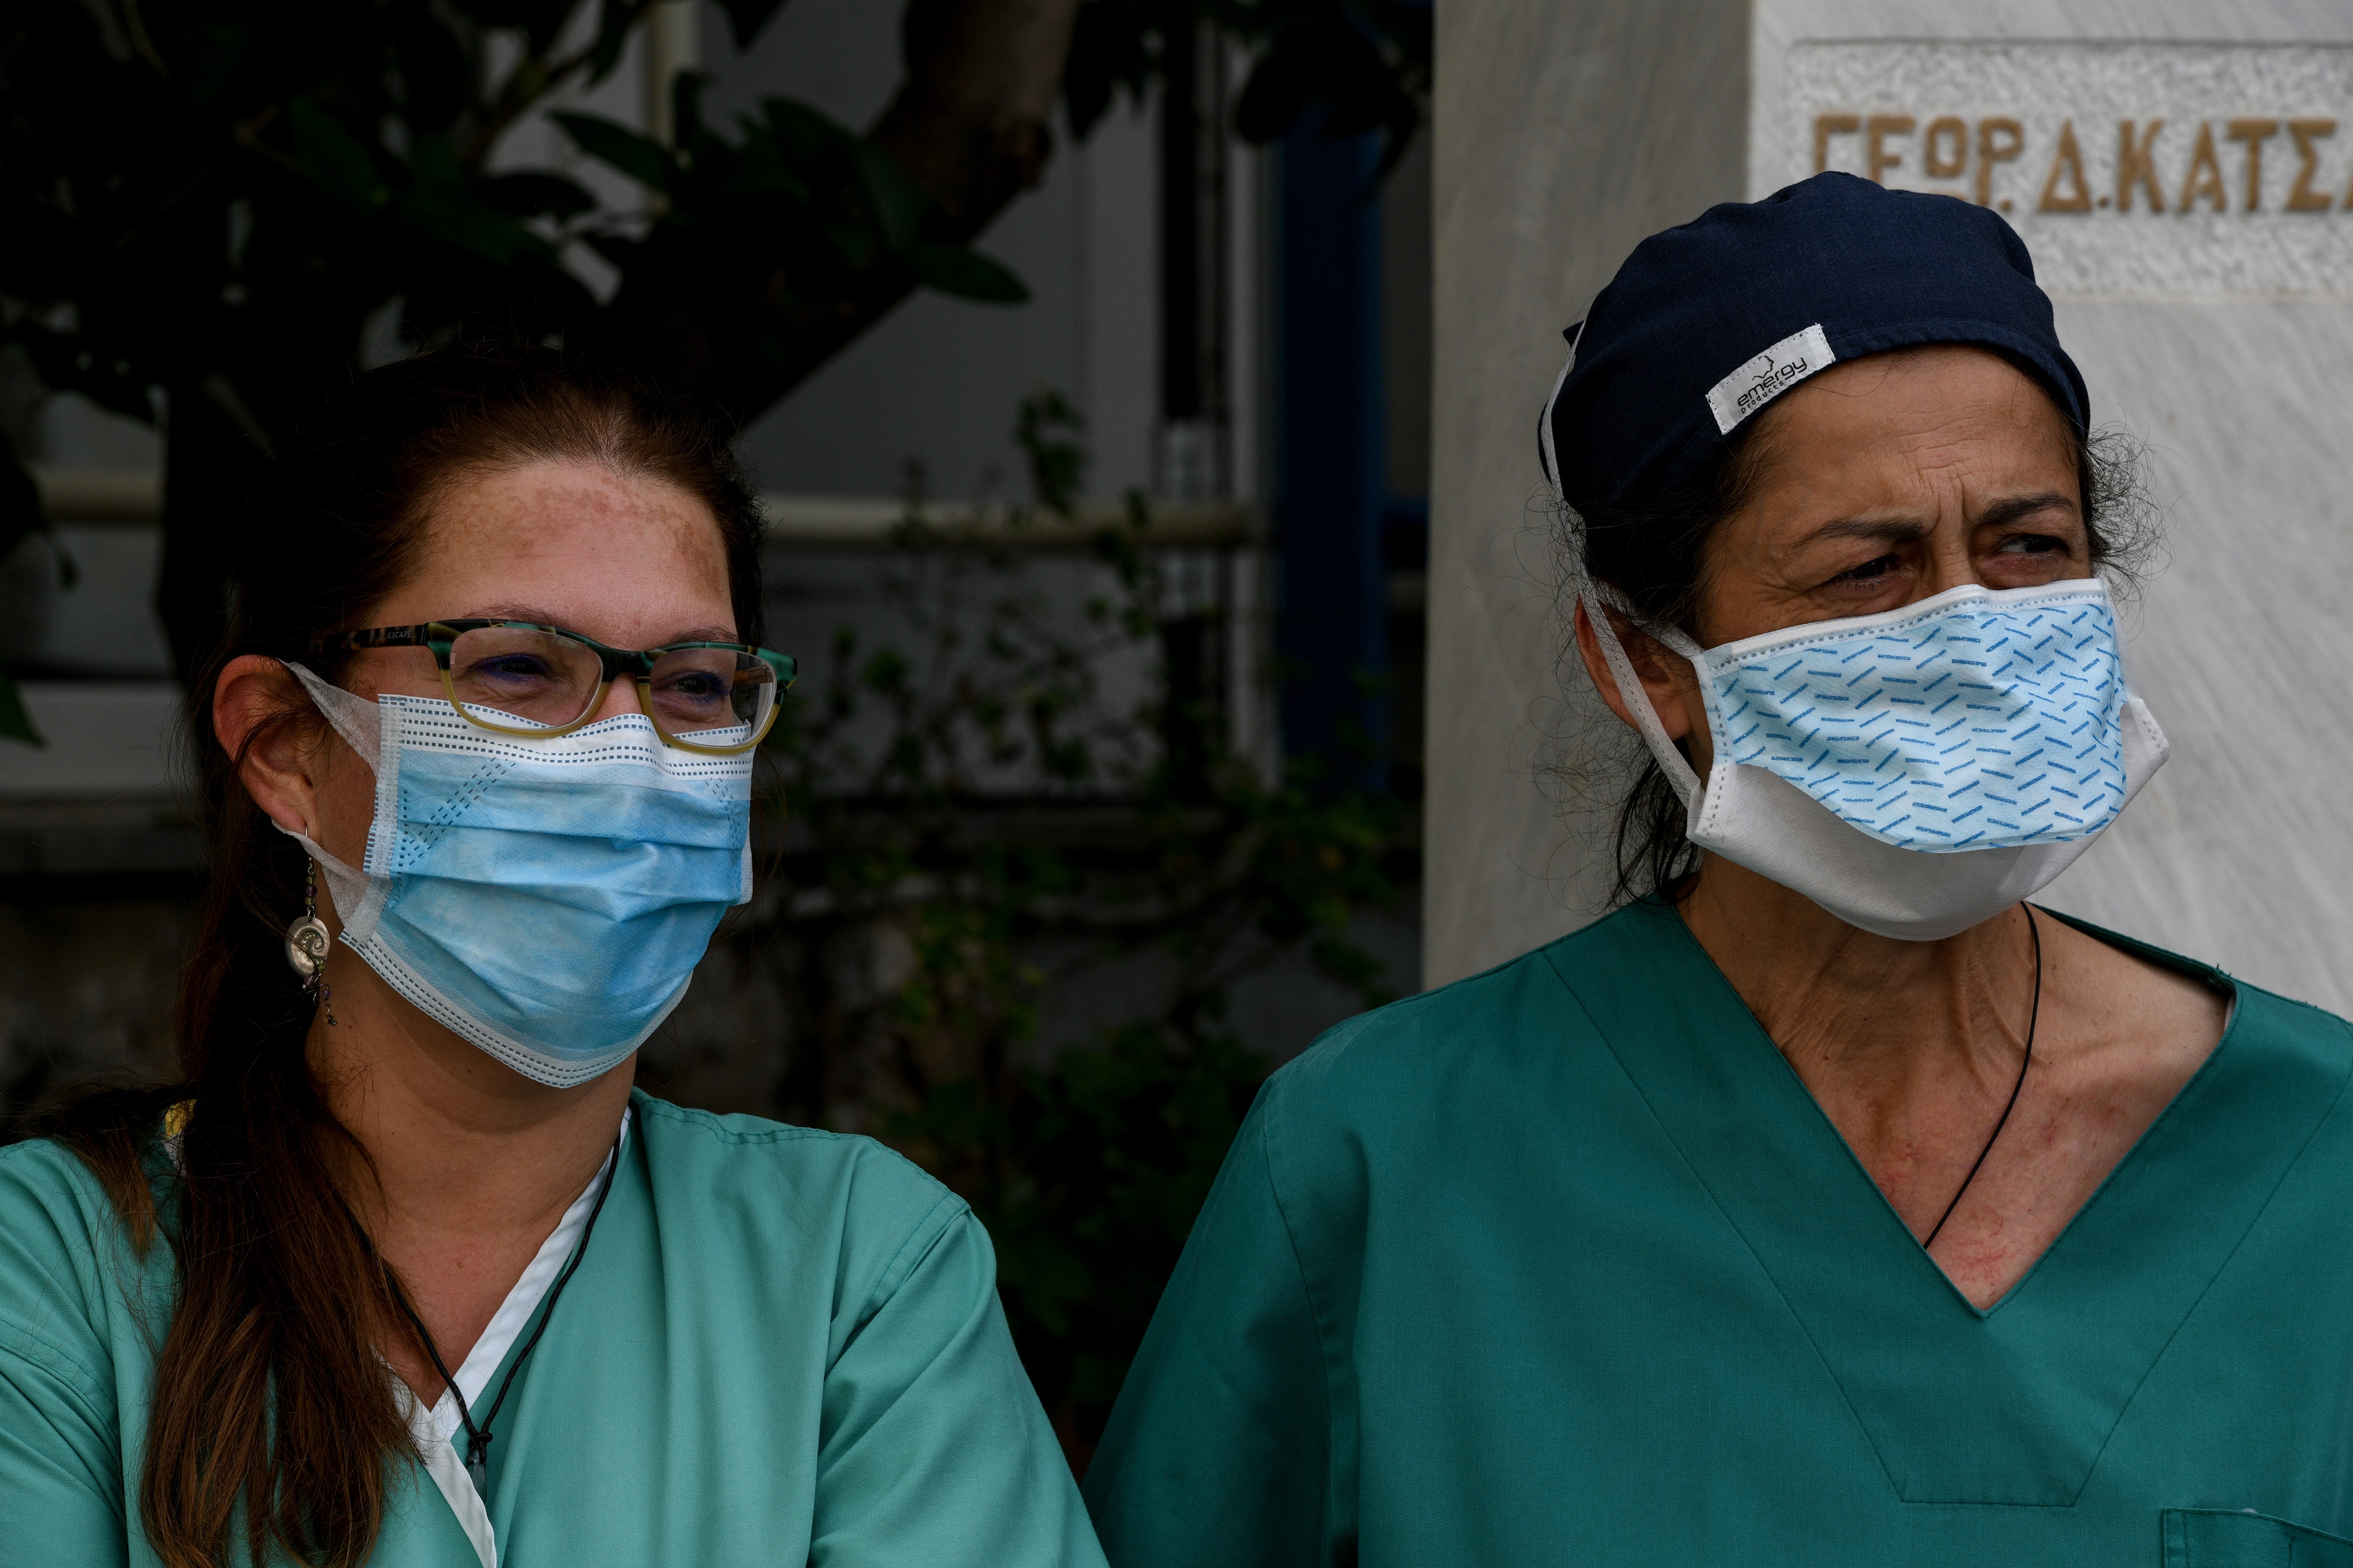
[
  {"x": 1621, "y": 668},
  {"x": 1638, "y": 700},
  {"x": 1545, "y": 452},
  {"x": 360, "y": 722},
  {"x": 353, "y": 717}
]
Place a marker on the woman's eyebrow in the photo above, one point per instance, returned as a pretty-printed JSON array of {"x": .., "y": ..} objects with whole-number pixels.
[
  {"x": 1887, "y": 530},
  {"x": 1903, "y": 530},
  {"x": 2010, "y": 509}
]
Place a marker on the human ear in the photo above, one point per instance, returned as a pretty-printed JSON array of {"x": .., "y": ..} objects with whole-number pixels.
[
  {"x": 283, "y": 765},
  {"x": 1665, "y": 676}
]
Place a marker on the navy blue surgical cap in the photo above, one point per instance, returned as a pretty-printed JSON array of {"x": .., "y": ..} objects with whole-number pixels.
[{"x": 1706, "y": 324}]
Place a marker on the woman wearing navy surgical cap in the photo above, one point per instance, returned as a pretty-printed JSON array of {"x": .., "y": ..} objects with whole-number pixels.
[{"x": 1826, "y": 1204}]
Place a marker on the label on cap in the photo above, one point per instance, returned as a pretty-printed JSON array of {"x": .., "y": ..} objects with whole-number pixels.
[{"x": 1768, "y": 375}]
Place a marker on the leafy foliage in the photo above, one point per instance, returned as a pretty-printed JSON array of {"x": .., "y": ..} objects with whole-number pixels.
[
  {"x": 240, "y": 192},
  {"x": 15, "y": 723},
  {"x": 219, "y": 201},
  {"x": 216, "y": 199},
  {"x": 251, "y": 176},
  {"x": 794, "y": 208}
]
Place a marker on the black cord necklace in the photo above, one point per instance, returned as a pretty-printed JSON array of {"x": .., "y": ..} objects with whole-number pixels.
[
  {"x": 477, "y": 1435},
  {"x": 2033, "y": 1016}
]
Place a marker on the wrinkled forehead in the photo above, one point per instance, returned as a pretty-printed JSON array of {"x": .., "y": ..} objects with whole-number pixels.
[{"x": 1906, "y": 416}]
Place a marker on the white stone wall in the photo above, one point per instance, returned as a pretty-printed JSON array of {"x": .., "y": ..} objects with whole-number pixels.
[
  {"x": 2134, "y": 169},
  {"x": 1563, "y": 135}
]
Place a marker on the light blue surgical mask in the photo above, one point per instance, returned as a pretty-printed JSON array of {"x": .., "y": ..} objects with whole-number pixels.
[
  {"x": 1975, "y": 719},
  {"x": 545, "y": 898},
  {"x": 1918, "y": 771}
]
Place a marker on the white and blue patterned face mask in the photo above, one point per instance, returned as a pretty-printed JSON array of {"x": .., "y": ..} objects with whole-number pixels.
[
  {"x": 546, "y": 900},
  {"x": 1918, "y": 771},
  {"x": 1971, "y": 721}
]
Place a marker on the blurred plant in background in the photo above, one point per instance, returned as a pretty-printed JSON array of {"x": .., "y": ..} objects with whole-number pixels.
[
  {"x": 210, "y": 208},
  {"x": 1087, "y": 1164}
]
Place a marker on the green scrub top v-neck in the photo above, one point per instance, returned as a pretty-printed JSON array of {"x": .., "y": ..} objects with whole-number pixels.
[
  {"x": 1562, "y": 1264},
  {"x": 782, "y": 1346}
]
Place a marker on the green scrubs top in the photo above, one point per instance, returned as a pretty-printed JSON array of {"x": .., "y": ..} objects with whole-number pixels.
[
  {"x": 782, "y": 1346},
  {"x": 1563, "y": 1265}
]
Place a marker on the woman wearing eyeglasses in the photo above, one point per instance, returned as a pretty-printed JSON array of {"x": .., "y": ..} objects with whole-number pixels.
[{"x": 403, "y": 1271}]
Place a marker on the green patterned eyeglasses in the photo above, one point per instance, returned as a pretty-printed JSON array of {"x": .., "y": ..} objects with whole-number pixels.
[{"x": 717, "y": 697}]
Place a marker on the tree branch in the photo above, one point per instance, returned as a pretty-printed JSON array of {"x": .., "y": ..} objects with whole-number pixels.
[{"x": 972, "y": 125}]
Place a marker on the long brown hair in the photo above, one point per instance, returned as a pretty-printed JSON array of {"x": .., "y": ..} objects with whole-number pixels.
[{"x": 270, "y": 1395}]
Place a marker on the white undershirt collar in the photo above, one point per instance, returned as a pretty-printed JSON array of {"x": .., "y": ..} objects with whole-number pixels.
[{"x": 436, "y": 1429}]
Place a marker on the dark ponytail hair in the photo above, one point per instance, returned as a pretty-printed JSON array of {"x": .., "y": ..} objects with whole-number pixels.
[
  {"x": 270, "y": 1396},
  {"x": 1653, "y": 553}
]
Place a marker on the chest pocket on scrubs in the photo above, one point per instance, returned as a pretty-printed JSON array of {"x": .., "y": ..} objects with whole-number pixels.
[{"x": 2218, "y": 1538}]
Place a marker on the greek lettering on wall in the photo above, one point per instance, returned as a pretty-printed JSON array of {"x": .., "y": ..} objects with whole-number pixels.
[{"x": 2130, "y": 169}]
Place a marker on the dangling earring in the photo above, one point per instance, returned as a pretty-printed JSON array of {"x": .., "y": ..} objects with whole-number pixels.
[{"x": 306, "y": 946}]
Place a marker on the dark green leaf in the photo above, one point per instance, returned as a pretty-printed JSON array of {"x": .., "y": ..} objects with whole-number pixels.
[
  {"x": 443, "y": 203},
  {"x": 1110, "y": 49},
  {"x": 806, "y": 135},
  {"x": 756, "y": 169},
  {"x": 454, "y": 218},
  {"x": 646, "y": 161},
  {"x": 896, "y": 203},
  {"x": 433, "y": 162},
  {"x": 686, "y": 107},
  {"x": 540, "y": 20},
  {"x": 20, "y": 514},
  {"x": 854, "y": 246},
  {"x": 332, "y": 158},
  {"x": 967, "y": 274},
  {"x": 530, "y": 195},
  {"x": 612, "y": 34},
  {"x": 20, "y": 502},
  {"x": 214, "y": 54},
  {"x": 436, "y": 78},
  {"x": 746, "y": 18},
  {"x": 17, "y": 724}
]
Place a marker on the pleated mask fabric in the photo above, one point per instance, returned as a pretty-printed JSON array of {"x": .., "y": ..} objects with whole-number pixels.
[
  {"x": 1975, "y": 719},
  {"x": 546, "y": 899},
  {"x": 1862, "y": 791}
]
